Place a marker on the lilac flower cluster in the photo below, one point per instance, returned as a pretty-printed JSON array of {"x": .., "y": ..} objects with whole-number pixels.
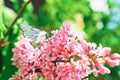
[{"x": 64, "y": 56}]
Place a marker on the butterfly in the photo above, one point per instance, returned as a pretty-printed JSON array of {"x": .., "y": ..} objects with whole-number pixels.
[{"x": 32, "y": 33}]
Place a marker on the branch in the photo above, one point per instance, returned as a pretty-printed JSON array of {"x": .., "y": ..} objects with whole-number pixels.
[
  {"x": 17, "y": 17},
  {"x": 14, "y": 21}
]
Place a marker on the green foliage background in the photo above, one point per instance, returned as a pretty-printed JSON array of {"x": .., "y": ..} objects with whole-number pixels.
[{"x": 49, "y": 15}]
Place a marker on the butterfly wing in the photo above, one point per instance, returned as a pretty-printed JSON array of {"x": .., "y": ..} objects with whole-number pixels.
[{"x": 32, "y": 33}]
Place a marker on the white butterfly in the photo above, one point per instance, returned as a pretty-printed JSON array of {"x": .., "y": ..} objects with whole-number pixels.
[{"x": 34, "y": 34}]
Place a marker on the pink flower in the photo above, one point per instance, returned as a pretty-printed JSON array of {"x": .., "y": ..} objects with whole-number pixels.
[
  {"x": 115, "y": 56},
  {"x": 15, "y": 77},
  {"x": 102, "y": 69},
  {"x": 64, "y": 56},
  {"x": 113, "y": 60},
  {"x": 95, "y": 72}
]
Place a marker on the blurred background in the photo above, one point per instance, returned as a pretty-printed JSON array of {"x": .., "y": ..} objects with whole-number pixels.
[{"x": 98, "y": 19}]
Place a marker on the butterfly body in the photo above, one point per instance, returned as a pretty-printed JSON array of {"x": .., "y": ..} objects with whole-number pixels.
[{"x": 32, "y": 33}]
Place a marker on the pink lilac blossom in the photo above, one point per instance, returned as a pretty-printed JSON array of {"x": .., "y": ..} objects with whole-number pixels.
[{"x": 64, "y": 56}]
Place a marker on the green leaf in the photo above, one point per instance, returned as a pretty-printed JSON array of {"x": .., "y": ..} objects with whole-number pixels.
[
  {"x": 38, "y": 77},
  {"x": 76, "y": 58},
  {"x": 35, "y": 44}
]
